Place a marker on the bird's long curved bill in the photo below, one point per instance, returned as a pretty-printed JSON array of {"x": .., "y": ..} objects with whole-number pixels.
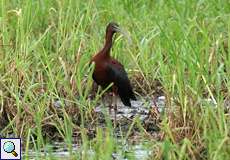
[{"x": 124, "y": 33}]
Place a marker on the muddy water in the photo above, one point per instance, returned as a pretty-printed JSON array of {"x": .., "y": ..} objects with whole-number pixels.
[
  {"x": 125, "y": 151},
  {"x": 140, "y": 107},
  {"x": 136, "y": 150}
]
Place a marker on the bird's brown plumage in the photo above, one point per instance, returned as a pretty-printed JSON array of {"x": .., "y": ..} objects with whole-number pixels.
[{"x": 108, "y": 70}]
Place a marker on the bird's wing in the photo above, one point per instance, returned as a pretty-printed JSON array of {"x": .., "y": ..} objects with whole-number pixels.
[{"x": 119, "y": 77}]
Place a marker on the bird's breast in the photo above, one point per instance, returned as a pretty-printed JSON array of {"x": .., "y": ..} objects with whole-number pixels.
[{"x": 100, "y": 74}]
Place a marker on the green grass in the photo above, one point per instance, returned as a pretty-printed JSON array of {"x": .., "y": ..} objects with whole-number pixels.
[{"x": 45, "y": 47}]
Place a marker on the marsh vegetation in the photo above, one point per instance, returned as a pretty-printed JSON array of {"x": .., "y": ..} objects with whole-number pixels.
[{"x": 178, "y": 64}]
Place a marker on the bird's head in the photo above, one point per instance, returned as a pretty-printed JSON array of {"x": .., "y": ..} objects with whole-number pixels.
[{"x": 113, "y": 27}]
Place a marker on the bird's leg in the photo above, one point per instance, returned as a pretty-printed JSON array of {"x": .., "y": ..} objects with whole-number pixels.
[
  {"x": 94, "y": 90},
  {"x": 110, "y": 104},
  {"x": 104, "y": 100},
  {"x": 114, "y": 98},
  {"x": 115, "y": 109},
  {"x": 107, "y": 102}
]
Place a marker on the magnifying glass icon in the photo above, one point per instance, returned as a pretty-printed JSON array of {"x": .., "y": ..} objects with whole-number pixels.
[{"x": 9, "y": 147}]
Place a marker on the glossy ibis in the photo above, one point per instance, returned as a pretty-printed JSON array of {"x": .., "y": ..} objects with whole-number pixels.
[{"x": 108, "y": 70}]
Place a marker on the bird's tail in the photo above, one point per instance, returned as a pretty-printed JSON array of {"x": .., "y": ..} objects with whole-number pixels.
[{"x": 126, "y": 94}]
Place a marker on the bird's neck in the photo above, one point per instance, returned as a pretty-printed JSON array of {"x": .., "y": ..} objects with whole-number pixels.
[{"x": 108, "y": 44}]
